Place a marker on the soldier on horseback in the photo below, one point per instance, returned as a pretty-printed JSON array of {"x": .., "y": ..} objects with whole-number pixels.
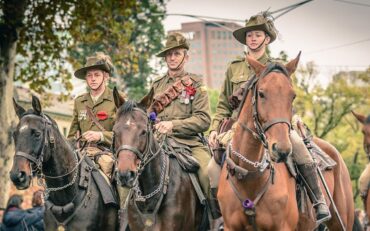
[
  {"x": 256, "y": 35},
  {"x": 94, "y": 115},
  {"x": 180, "y": 104}
]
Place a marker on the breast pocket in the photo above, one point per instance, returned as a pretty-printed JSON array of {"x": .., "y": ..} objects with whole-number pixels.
[{"x": 238, "y": 81}]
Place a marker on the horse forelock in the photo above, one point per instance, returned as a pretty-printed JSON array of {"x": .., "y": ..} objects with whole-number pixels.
[{"x": 128, "y": 108}]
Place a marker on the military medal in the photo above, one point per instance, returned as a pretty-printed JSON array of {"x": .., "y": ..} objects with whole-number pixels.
[{"x": 82, "y": 115}]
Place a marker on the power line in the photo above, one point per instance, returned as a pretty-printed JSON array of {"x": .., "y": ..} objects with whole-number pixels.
[
  {"x": 339, "y": 46},
  {"x": 353, "y": 3},
  {"x": 289, "y": 8}
]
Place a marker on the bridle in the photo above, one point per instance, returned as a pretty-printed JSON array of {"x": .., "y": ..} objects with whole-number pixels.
[
  {"x": 145, "y": 157},
  {"x": 260, "y": 129},
  {"x": 49, "y": 141}
]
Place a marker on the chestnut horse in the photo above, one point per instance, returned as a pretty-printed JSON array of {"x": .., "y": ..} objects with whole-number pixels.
[
  {"x": 163, "y": 195},
  {"x": 256, "y": 193},
  {"x": 42, "y": 150},
  {"x": 366, "y": 131}
]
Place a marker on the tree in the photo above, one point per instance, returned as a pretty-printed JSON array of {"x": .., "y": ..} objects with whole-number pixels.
[
  {"x": 130, "y": 32},
  {"x": 39, "y": 37}
]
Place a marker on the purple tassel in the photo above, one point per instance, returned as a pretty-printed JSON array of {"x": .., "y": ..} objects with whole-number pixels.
[
  {"x": 153, "y": 116},
  {"x": 248, "y": 204}
]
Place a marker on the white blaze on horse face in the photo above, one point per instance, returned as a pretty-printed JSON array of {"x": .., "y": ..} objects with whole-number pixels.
[
  {"x": 24, "y": 127},
  {"x": 129, "y": 123}
]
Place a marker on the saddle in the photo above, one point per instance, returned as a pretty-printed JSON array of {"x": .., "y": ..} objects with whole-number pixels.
[
  {"x": 224, "y": 126},
  {"x": 89, "y": 171},
  {"x": 183, "y": 155}
]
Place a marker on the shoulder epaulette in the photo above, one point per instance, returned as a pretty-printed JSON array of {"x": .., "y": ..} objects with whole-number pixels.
[
  {"x": 194, "y": 77},
  {"x": 158, "y": 78},
  {"x": 80, "y": 96},
  {"x": 238, "y": 59}
]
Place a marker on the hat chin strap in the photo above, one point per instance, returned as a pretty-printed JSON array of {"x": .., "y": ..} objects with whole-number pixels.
[
  {"x": 256, "y": 49},
  {"x": 182, "y": 61}
]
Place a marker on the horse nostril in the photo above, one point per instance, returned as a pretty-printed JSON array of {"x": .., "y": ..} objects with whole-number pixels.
[{"x": 21, "y": 176}]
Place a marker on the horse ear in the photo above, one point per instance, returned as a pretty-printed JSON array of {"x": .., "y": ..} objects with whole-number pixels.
[
  {"x": 359, "y": 117},
  {"x": 147, "y": 100},
  {"x": 292, "y": 65},
  {"x": 36, "y": 105},
  {"x": 256, "y": 66},
  {"x": 19, "y": 110},
  {"x": 118, "y": 98}
]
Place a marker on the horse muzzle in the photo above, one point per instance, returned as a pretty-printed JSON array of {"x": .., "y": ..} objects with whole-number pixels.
[
  {"x": 20, "y": 179},
  {"x": 126, "y": 178}
]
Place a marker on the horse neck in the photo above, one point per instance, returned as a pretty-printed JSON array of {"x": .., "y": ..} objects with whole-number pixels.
[
  {"x": 61, "y": 161},
  {"x": 245, "y": 143},
  {"x": 151, "y": 176}
]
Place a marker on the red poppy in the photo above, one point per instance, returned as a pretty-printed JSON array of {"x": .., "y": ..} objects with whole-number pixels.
[
  {"x": 102, "y": 115},
  {"x": 190, "y": 90}
]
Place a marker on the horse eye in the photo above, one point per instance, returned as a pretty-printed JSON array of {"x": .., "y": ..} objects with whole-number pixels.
[
  {"x": 294, "y": 96},
  {"x": 37, "y": 134},
  {"x": 143, "y": 133},
  {"x": 261, "y": 94}
]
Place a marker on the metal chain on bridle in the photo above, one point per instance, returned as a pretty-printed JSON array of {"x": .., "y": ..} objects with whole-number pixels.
[
  {"x": 145, "y": 157},
  {"x": 49, "y": 141}
]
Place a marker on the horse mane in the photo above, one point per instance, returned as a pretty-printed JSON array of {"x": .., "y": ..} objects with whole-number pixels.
[{"x": 128, "y": 107}]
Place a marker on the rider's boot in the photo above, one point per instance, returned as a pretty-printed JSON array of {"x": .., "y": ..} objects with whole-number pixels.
[
  {"x": 309, "y": 173},
  {"x": 215, "y": 210}
]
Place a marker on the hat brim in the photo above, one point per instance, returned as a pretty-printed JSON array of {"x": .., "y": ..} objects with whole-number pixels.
[
  {"x": 81, "y": 73},
  {"x": 162, "y": 53},
  {"x": 240, "y": 34}
]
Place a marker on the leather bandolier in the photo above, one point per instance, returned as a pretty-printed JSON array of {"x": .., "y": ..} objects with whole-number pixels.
[{"x": 170, "y": 94}]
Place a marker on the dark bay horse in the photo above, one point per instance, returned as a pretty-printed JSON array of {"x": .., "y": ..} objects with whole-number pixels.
[
  {"x": 366, "y": 131},
  {"x": 41, "y": 149},
  {"x": 256, "y": 193},
  {"x": 163, "y": 195}
]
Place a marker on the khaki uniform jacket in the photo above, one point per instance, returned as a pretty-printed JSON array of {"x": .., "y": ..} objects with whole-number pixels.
[
  {"x": 238, "y": 72},
  {"x": 188, "y": 119},
  {"x": 81, "y": 121}
]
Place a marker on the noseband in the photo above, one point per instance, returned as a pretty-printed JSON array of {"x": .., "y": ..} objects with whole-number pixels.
[{"x": 262, "y": 128}]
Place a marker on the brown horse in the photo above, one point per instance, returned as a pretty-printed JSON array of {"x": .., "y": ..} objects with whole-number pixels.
[
  {"x": 254, "y": 192},
  {"x": 40, "y": 149},
  {"x": 366, "y": 131},
  {"x": 163, "y": 195}
]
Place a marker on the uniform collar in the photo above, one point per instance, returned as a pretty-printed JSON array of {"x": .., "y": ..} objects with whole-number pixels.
[
  {"x": 179, "y": 75},
  {"x": 263, "y": 59},
  {"x": 107, "y": 95}
]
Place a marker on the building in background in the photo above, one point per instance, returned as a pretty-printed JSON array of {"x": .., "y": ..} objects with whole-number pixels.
[
  {"x": 61, "y": 112},
  {"x": 212, "y": 47}
]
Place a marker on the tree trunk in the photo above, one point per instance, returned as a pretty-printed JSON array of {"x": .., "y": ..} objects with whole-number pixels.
[{"x": 11, "y": 23}]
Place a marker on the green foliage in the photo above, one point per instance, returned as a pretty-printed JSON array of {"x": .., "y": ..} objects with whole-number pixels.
[
  {"x": 58, "y": 32},
  {"x": 128, "y": 32},
  {"x": 326, "y": 110},
  {"x": 213, "y": 95}
]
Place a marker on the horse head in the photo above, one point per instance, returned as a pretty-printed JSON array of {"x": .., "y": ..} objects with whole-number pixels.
[
  {"x": 365, "y": 121},
  {"x": 131, "y": 138},
  {"x": 30, "y": 137},
  {"x": 270, "y": 114}
]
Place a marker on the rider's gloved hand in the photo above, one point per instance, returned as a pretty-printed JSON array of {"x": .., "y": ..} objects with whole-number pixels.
[{"x": 92, "y": 136}]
